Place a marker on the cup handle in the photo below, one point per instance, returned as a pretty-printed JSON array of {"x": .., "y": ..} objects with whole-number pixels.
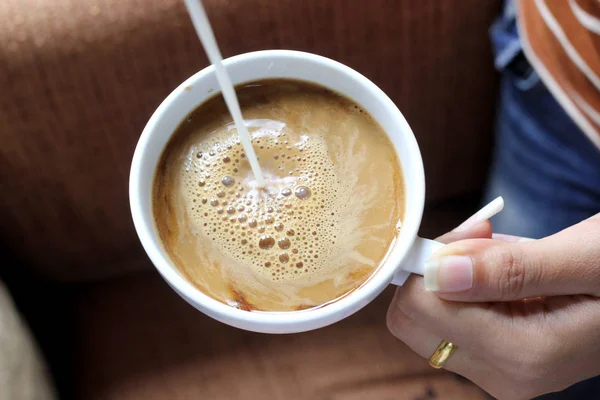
[{"x": 414, "y": 262}]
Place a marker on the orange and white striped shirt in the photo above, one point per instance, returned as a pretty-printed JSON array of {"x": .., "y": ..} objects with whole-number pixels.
[{"x": 561, "y": 40}]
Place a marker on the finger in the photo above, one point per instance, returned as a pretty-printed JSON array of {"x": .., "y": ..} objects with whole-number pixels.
[
  {"x": 481, "y": 230},
  {"x": 467, "y": 323},
  {"x": 424, "y": 342},
  {"x": 430, "y": 319},
  {"x": 492, "y": 270},
  {"x": 510, "y": 238}
]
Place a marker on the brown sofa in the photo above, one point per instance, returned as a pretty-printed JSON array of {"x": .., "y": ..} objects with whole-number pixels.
[{"x": 78, "y": 81}]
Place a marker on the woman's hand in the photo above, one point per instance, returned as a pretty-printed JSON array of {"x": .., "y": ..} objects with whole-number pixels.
[{"x": 524, "y": 314}]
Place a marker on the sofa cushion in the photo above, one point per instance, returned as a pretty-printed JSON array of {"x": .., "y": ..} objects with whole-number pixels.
[{"x": 138, "y": 340}]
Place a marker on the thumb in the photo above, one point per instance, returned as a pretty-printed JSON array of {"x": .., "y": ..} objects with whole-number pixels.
[{"x": 496, "y": 270}]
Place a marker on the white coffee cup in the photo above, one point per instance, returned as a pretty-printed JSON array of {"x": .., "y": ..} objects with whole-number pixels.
[{"x": 408, "y": 252}]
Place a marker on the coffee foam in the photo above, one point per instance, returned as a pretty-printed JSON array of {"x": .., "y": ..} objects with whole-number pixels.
[
  {"x": 320, "y": 227},
  {"x": 283, "y": 231}
]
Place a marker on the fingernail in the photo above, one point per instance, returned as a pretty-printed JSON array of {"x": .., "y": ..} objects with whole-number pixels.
[
  {"x": 449, "y": 274},
  {"x": 487, "y": 212}
]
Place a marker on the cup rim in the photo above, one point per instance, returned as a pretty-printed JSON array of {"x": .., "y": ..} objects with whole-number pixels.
[{"x": 288, "y": 321}]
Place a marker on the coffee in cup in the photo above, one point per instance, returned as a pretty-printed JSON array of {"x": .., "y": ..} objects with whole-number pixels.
[{"x": 322, "y": 225}]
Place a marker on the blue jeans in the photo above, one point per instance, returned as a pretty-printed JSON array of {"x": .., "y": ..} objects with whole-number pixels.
[{"x": 546, "y": 169}]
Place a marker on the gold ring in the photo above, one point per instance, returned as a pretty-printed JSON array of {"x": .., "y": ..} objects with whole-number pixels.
[{"x": 442, "y": 354}]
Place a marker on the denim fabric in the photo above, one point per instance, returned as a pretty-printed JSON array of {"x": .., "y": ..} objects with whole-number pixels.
[{"x": 546, "y": 169}]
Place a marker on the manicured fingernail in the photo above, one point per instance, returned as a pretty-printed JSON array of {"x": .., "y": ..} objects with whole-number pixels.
[
  {"x": 449, "y": 274},
  {"x": 487, "y": 212}
]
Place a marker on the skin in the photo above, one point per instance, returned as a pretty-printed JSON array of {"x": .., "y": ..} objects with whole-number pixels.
[{"x": 530, "y": 323}]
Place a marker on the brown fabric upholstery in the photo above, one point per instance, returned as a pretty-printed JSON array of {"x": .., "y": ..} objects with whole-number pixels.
[
  {"x": 139, "y": 340},
  {"x": 80, "y": 78}
]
